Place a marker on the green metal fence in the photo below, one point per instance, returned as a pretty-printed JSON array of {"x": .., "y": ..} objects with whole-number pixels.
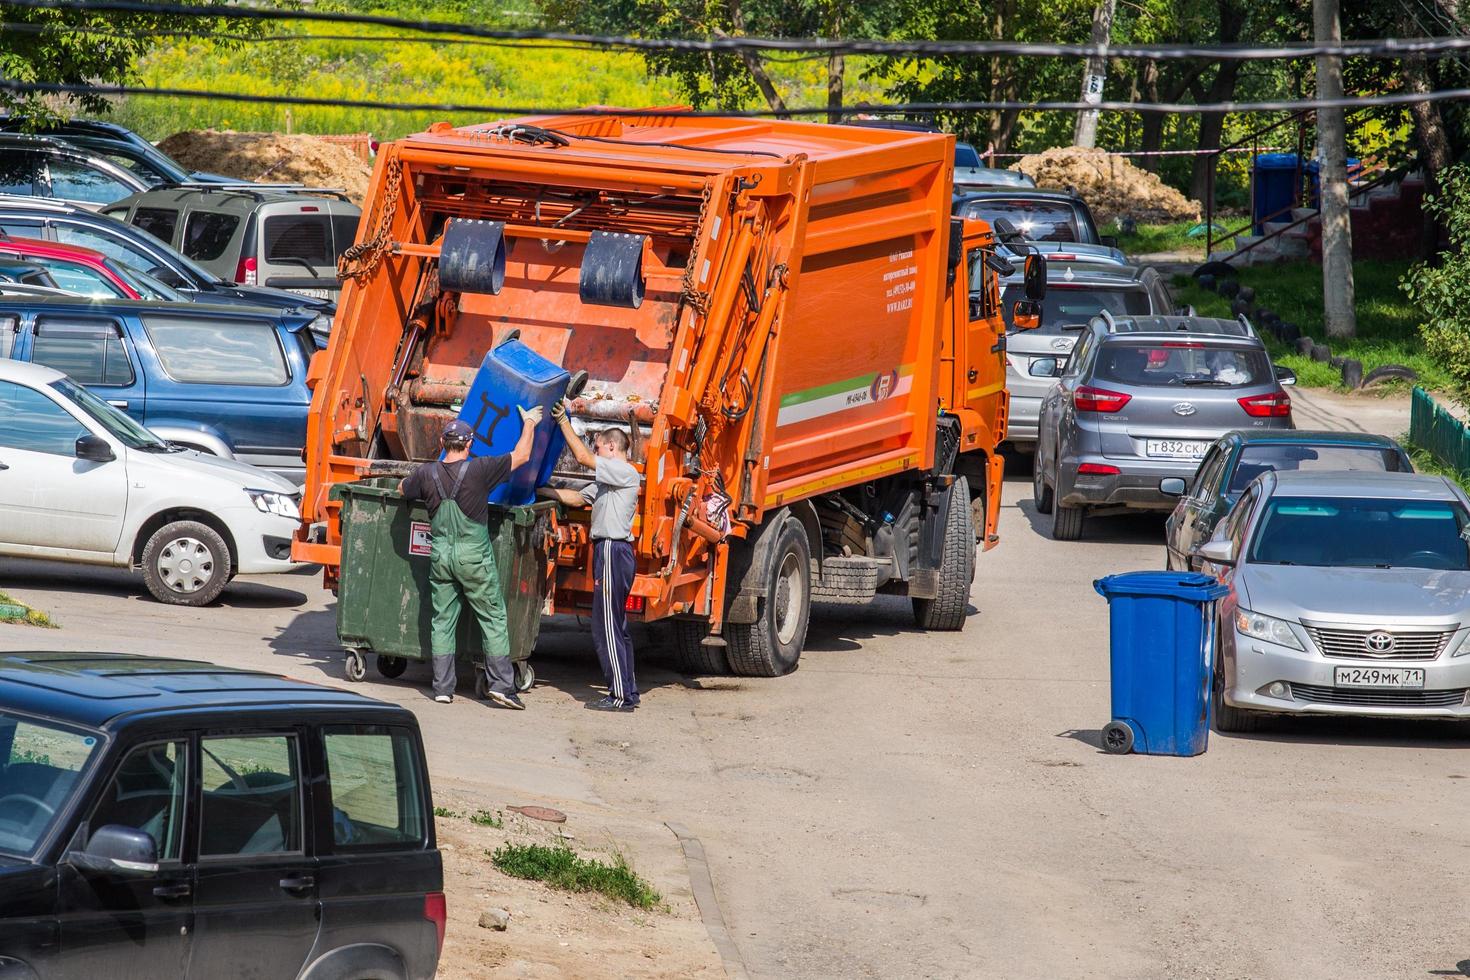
[{"x": 1437, "y": 432}]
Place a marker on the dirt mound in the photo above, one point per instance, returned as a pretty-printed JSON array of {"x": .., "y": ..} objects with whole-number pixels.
[
  {"x": 272, "y": 157},
  {"x": 1111, "y": 186}
]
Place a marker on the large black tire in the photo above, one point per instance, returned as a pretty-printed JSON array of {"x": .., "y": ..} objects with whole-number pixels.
[
  {"x": 1066, "y": 522},
  {"x": 1040, "y": 493},
  {"x": 771, "y": 645},
  {"x": 186, "y": 563},
  {"x": 946, "y": 611},
  {"x": 690, "y": 655},
  {"x": 1229, "y": 719}
]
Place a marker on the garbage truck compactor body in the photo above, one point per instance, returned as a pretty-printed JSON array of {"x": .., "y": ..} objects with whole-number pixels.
[{"x": 806, "y": 349}]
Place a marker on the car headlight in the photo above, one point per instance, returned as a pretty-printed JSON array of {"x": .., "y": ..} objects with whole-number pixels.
[
  {"x": 1267, "y": 628},
  {"x": 271, "y": 502}
]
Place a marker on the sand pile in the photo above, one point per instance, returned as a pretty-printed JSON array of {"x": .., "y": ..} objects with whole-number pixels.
[
  {"x": 1111, "y": 186},
  {"x": 271, "y": 158}
]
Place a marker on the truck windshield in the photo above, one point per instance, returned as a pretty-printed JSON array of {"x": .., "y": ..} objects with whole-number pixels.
[
  {"x": 1065, "y": 305},
  {"x": 123, "y": 426},
  {"x": 40, "y": 762},
  {"x": 1354, "y": 532}
]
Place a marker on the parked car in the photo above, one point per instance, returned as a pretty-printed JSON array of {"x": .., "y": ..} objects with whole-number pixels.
[
  {"x": 86, "y": 272},
  {"x": 65, "y": 224},
  {"x": 230, "y": 381},
  {"x": 1075, "y": 293},
  {"x": 39, "y": 166},
  {"x": 1040, "y": 215},
  {"x": 1348, "y": 595},
  {"x": 81, "y": 481},
  {"x": 26, "y": 273},
  {"x": 172, "y": 819},
  {"x": 120, "y": 145},
  {"x": 1141, "y": 399},
  {"x": 1239, "y": 457},
  {"x": 253, "y": 237},
  {"x": 968, "y": 178}
]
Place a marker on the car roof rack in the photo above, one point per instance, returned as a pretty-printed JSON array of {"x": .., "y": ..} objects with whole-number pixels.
[
  {"x": 251, "y": 188},
  {"x": 42, "y": 203},
  {"x": 1250, "y": 328}
]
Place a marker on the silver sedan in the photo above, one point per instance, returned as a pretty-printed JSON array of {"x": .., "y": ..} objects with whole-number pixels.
[{"x": 1349, "y": 594}]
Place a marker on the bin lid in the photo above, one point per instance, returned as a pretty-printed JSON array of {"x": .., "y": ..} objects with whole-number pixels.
[
  {"x": 1276, "y": 161},
  {"x": 1191, "y": 586}
]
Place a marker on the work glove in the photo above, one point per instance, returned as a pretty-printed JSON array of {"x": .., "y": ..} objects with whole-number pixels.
[
  {"x": 559, "y": 411},
  {"x": 531, "y": 415}
]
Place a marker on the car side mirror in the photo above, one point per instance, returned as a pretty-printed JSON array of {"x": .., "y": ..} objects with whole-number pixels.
[
  {"x": 114, "y": 847},
  {"x": 1044, "y": 367},
  {"x": 1173, "y": 486},
  {"x": 1026, "y": 314},
  {"x": 1284, "y": 375},
  {"x": 1216, "y": 552},
  {"x": 1111, "y": 241},
  {"x": 1033, "y": 276},
  {"x": 94, "y": 449}
]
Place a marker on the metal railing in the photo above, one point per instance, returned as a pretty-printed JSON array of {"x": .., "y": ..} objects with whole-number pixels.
[{"x": 1435, "y": 430}]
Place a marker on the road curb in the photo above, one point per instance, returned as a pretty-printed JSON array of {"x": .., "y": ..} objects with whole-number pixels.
[{"x": 703, "y": 887}]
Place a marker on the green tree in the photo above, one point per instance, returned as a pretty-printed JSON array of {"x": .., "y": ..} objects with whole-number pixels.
[{"x": 1442, "y": 289}]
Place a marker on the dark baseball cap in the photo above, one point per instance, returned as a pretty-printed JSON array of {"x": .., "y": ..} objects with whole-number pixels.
[{"x": 458, "y": 430}]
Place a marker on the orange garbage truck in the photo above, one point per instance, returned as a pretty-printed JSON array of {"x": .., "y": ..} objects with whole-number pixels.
[{"x": 804, "y": 346}]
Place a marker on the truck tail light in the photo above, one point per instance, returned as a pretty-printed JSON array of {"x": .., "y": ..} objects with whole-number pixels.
[
  {"x": 1275, "y": 405},
  {"x": 1089, "y": 399},
  {"x": 634, "y": 604},
  {"x": 437, "y": 912},
  {"x": 1097, "y": 469},
  {"x": 245, "y": 273}
]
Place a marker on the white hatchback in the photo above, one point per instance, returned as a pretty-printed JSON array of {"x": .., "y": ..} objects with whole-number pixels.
[{"x": 81, "y": 481}]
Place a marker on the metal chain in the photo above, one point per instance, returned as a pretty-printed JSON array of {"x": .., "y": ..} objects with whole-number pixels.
[
  {"x": 688, "y": 292},
  {"x": 361, "y": 260}
]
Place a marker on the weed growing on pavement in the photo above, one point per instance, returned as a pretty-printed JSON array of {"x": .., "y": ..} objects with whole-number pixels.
[
  {"x": 484, "y": 818},
  {"x": 444, "y": 811},
  {"x": 561, "y": 867},
  {"x": 31, "y": 617}
]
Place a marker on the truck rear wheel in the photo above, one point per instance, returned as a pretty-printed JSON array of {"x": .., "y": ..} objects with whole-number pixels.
[
  {"x": 946, "y": 611},
  {"x": 771, "y": 645},
  {"x": 691, "y": 655}
]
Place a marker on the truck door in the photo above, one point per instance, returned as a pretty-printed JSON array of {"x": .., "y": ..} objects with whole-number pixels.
[{"x": 984, "y": 354}]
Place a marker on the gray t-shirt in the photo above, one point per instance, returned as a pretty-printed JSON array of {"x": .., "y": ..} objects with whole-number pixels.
[{"x": 614, "y": 498}]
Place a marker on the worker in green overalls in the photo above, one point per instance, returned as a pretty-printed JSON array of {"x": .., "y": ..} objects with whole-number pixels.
[{"x": 456, "y": 490}]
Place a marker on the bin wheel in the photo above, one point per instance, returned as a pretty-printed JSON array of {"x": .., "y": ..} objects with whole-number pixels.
[
  {"x": 391, "y": 667},
  {"x": 355, "y": 665},
  {"x": 1117, "y": 738},
  {"x": 482, "y": 683},
  {"x": 525, "y": 677}
]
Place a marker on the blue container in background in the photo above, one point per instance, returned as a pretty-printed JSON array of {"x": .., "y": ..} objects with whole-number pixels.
[
  {"x": 1163, "y": 653},
  {"x": 1314, "y": 179},
  {"x": 512, "y": 375},
  {"x": 1275, "y": 184}
]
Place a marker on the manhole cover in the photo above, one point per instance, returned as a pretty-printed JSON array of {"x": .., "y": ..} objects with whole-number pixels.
[{"x": 540, "y": 813}]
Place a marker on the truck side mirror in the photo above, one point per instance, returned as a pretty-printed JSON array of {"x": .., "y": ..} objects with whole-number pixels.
[
  {"x": 1034, "y": 277},
  {"x": 1026, "y": 314}
]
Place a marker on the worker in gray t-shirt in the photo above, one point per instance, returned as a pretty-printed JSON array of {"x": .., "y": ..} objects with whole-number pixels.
[{"x": 613, "y": 495}]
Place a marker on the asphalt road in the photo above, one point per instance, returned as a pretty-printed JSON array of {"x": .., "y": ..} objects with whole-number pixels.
[{"x": 935, "y": 805}]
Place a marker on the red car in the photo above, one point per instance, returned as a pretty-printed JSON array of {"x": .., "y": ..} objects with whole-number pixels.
[{"x": 86, "y": 272}]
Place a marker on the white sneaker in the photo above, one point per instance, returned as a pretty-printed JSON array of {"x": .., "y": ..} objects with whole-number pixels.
[{"x": 444, "y": 698}]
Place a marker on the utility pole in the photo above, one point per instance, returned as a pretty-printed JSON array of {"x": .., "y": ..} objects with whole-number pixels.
[
  {"x": 1094, "y": 74},
  {"x": 1339, "y": 315}
]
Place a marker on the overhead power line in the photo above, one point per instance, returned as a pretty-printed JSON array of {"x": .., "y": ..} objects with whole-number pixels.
[
  {"x": 857, "y": 109},
  {"x": 1382, "y": 48}
]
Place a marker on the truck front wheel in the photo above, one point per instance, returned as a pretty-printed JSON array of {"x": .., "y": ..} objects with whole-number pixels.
[
  {"x": 771, "y": 645},
  {"x": 946, "y": 611}
]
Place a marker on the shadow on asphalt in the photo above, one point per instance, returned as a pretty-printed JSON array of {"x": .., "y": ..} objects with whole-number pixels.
[
  {"x": 51, "y": 576},
  {"x": 1144, "y": 527},
  {"x": 1390, "y": 733}
]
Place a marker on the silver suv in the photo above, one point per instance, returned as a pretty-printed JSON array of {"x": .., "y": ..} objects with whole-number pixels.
[{"x": 1140, "y": 400}]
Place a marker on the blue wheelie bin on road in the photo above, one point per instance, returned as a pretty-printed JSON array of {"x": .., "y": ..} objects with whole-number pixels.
[{"x": 1163, "y": 652}]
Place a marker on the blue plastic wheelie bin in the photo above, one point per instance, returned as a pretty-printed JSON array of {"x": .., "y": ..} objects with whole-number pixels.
[{"x": 1163, "y": 652}]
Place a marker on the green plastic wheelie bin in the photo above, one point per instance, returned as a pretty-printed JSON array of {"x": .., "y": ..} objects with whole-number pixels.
[{"x": 383, "y": 594}]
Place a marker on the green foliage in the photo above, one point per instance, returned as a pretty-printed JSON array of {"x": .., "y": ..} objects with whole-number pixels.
[
  {"x": 561, "y": 867},
  {"x": 31, "y": 617},
  {"x": 484, "y": 818},
  {"x": 1426, "y": 462},
  {"x": 1442, "y": 288},
  {"x": 1148, "y": 239},
  {"x": 444, "y": 811},
  {"x": 1388, "y": 324}
]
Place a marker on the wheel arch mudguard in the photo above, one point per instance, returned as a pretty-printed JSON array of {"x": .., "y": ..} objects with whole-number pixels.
[
  {"x": 204, "y": 437},
  {"x": 359, "y": 961},
  {"x": 746, "y": 585}
]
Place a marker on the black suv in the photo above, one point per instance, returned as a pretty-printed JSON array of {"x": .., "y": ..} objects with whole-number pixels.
[{"x": 166, "y": 818}]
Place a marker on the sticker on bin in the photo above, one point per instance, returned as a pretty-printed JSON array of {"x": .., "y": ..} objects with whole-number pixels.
[{"x": 420, "y": 539}]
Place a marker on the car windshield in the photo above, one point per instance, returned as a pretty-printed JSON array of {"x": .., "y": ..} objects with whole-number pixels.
[
  {"x": 121, "y": 425},
  {"x": 40, "y": 762},
  {"x": 1357, "y": 532},
  {"x": 1073, "y": 305},
  {"x": 1255, "y": 460},
  {"x": 966, "y": 155},
  {"x": 1182, "y": 364},
  {"x": 1042, "y": 221},
  {"x": 147, "y": 286}
]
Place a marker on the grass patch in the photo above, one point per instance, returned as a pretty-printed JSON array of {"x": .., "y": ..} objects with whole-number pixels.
[
  {"x": 1425, "y": 462},
  {"x": 31, "y": 617},
  {"x": 444, "y": 811},
  {"x": 1147, "y": 239},
  {"x": 561, "y": 867},
  {"x": 484, "y": 818},
  {"x": 1388, "y": 323}
]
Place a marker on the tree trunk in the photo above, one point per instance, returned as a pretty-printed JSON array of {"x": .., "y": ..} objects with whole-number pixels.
[
  {"x": 835, "y": 65},
  {"x": 1085, "y": 133},
  {"x": 1339, "y": 315},
  {"x": 1211, "y": 125},
  {"x": 754, "y": 64},
  {"x": 1429, "y": 131}
]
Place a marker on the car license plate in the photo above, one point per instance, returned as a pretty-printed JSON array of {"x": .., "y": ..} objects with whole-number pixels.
[
  {"x": 1378, "y": 677},
  {"x": 1175, "y": 448},
  {"x": 315, "y": 293}
]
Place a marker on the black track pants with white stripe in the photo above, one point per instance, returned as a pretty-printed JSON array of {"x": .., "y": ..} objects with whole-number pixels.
[{"x": 612, "y": 579}]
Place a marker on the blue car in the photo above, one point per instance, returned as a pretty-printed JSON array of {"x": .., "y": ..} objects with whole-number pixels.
[{"x": 226, "y": 380}]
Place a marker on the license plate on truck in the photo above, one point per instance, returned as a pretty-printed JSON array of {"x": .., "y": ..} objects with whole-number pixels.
[
  {"x": 1378, "y": 677},
  {"x": 1175, "y": 448}
]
